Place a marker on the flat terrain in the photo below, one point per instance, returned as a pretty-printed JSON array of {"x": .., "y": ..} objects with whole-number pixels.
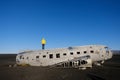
[{"x": 109, "y": 71}]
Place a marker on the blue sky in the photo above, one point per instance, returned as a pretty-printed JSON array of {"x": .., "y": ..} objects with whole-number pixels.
[{"x": 62, "y": 23}]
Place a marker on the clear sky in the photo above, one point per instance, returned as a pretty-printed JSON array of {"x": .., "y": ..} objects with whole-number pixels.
[{"x": 63, "y": 23}]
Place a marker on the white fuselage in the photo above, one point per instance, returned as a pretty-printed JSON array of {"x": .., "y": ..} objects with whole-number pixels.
[{"x": 54, "y": 56}]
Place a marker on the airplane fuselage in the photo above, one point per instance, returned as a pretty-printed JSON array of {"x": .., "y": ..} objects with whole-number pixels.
[{"x": 55, "y": 56}]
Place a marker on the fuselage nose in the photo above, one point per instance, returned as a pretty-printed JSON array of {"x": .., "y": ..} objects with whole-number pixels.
[{"x": 110, "y": 54}]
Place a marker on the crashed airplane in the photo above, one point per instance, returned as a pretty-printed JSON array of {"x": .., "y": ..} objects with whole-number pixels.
[{"x": 77, "y": 57}]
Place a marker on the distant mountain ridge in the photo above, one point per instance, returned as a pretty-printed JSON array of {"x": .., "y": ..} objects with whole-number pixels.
[{"x": 116, "y": 52}]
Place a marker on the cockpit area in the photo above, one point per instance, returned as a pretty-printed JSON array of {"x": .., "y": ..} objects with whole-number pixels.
[{"x": 108, "y": 53}]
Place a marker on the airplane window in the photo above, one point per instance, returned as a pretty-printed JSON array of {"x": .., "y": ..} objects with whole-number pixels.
[
  {"x": 85, "y": 51},
  {"x": 20, "y": 57},
  {"x": 44, "y": 56},
  {"x": 107, "y": 50},
  {"x": 71, "y": 53},
  {"x": 88, "y": 56},
  {"x": 58, "y": 55},
  {"x": 37, "y": 56},
  {"x": 91, "y": 51},
  {"x": 102, "y": 55},
  {"x": 78, "y": 52},
  {"x": 64, "y": 54},
  {"x": 27, "y": 58},
  {"x": 50, "y": 56}
]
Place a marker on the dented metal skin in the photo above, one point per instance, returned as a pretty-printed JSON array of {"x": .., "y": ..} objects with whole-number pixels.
[{"x": 72, "y": 55}]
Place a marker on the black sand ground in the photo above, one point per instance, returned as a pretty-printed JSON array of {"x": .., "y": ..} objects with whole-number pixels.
[{"x": 109, "y": 71}]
